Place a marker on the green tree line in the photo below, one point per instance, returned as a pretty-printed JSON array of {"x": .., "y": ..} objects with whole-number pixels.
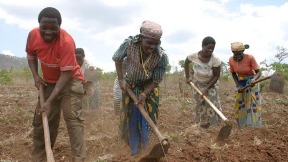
[{"x": 7, "y": 76}]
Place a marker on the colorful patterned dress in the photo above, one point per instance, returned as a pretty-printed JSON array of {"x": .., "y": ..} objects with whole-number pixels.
[
  {"x": 203, "y": 73},
  {"x": 247, "y": 105},
  {"x": 134, "y": 129}
]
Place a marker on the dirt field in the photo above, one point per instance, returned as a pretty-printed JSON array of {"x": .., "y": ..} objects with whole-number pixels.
[{"x": 188, "y": 141}]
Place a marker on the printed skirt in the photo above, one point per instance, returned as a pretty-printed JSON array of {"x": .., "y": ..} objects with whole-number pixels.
[
  {"x": 134, "y": 129},
  {"x": 204, "y": 113},
  {"x": 248, "y": 107}
]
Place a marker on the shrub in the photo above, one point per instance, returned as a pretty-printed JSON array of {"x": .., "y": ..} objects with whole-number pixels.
[{"x": 4, "y": 77}]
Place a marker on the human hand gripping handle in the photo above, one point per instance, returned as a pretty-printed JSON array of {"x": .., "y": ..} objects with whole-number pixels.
[
  {"x": 48, "y": 148},
  {"x": 161, "y": 138},
  {"x": 159, "y": 150},
  {"x": 38, "y": 81},
  {"x": 253, "y": 82},
  {"x": 141, "y": 99},
  {"x": 188, "y": 80},
  {"x": 224, "y": 131},
  {"x": 210, "y": 103},
  {"x": 44, "y": 105},
  {"x": 204, "y": 92}
]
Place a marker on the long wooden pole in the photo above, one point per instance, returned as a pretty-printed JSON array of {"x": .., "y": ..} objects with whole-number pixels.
[
  {"x": 147, "y": 117},
  {"x": 257, "y": 81},
  {"x": 209, "y": 102},
  {"x": 49, "y": 153}
]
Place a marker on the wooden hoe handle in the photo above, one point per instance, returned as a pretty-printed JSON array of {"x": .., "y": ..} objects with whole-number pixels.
[
  {"x": 146, "y": 116},
  {"x": 209, "y": 102},
  {"x": 49, "y": 153},
  {"x": 257, "y": 81}
]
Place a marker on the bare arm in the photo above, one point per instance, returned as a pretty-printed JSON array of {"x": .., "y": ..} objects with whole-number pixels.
[
  {"x": 147, "y": 90},
  {"x": 150, "y": 87},
  {"x": 119, "y": 68},
  {"x": 258, "y": 74},
  {"x": 235, "y": 78},
  {"x": 33, "y": 65},
  {"x": 216, "y": 72},
  {"x": 61, "y": 83}
]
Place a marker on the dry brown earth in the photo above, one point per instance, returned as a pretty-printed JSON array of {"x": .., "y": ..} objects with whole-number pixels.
[{"x": 188, "y": 142}]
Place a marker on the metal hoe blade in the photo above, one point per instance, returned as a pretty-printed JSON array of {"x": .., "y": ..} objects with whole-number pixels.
[
  {"x": 158, "y": 151},
  {"x": 224, "y": 133}
]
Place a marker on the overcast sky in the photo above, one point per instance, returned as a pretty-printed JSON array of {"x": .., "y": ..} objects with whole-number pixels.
[{"x": 100, "y": 26}]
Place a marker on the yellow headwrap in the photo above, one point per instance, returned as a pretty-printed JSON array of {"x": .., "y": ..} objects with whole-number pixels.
[{"x": 237, "y": 46}]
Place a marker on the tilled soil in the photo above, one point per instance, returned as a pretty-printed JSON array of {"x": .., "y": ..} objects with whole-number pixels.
[{"x": 188, "y": 142}]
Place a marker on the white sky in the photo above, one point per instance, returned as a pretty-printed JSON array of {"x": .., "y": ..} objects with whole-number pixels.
[{"x": 100, "y": 26}]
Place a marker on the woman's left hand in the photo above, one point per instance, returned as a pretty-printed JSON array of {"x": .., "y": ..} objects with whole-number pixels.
[
  {"x": 141, "y": 98},
  {"x": 252, "y": 83},
  {"x": 204, "y": 91},
  {"x": 188, "y": 80}
]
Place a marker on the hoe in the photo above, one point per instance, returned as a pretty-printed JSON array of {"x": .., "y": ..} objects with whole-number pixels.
[
  {"x": 160, "y": 149},
  {"x": 49, "y": 153}
]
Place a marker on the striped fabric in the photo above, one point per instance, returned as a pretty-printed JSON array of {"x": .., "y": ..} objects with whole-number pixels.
[
  {"x": 156, "y": 66},
  {"x": 117, "y": 96},
  {"x": 134, "y": 129}
]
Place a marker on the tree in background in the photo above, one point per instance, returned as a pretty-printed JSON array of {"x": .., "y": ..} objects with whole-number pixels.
[
  {"x": 4, "y": 77},
  {"x": 278, "y": 65},
  {"x": 225, "y": 73},
  {"x": 281, "y": 54},
  {"x": 168, "y": 69}
]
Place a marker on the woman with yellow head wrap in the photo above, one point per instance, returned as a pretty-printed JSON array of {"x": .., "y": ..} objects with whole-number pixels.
[{"x": 245, "y": 70}]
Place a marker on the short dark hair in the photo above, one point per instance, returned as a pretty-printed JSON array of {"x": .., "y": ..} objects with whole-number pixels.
[
  {"x": 79, "y": 51},
  {"x": 208, "y": 40},
  {"x": 51, "y": 13}
]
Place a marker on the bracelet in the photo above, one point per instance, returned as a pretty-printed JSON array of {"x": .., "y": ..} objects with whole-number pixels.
[{"x": 143, "y": 94}]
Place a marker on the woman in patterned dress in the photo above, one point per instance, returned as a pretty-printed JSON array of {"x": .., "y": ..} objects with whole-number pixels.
[
  {"x": 245, "y": 70},
  {"x": 206, "y": 72},
  {"x": 146, "y": 65}
]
